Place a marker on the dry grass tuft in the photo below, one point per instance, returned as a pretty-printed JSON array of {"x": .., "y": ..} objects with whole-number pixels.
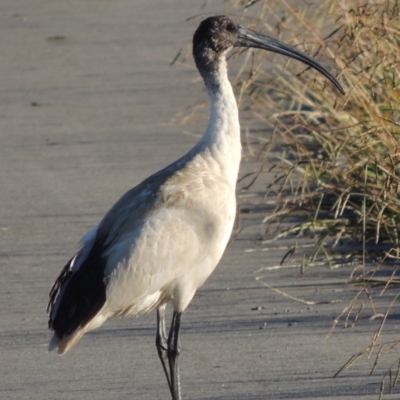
[
  {"x": 341, "y": 155},
  {"x": 339, "y": 158}
]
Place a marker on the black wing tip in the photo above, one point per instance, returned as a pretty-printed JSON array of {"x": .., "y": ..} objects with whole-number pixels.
[
  {"x": 56, "y": 288},
  {"x": 83, "y": 294}
]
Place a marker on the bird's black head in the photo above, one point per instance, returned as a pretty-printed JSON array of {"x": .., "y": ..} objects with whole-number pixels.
[
  {"x": 213, "y": 37},
  {"x": 216, "y": 35}
]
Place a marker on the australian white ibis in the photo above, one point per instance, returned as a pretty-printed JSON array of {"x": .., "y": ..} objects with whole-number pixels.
[{"x": 163, "y": 238}]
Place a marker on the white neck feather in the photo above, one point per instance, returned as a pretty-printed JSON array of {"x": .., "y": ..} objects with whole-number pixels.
[{"x": 222, "y": 137}]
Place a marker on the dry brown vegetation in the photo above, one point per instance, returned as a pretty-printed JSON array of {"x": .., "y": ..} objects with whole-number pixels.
[
  {"x": 339, "y": 158},
  {"x": 345, "y": 150}
]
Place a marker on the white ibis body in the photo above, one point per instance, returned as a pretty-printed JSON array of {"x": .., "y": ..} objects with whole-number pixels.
[{"x": 163, "y": 238}]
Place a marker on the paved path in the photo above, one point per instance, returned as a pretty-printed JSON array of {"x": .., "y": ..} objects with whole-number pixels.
[{"x": 86, "y": 101}]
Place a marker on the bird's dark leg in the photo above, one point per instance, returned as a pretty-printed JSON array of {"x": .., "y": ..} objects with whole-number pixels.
[
  {"x": 173, "y": 354},
  {"x": 162, "y": 345}
]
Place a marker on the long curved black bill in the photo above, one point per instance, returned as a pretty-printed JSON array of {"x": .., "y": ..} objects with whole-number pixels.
[{"x": 249, "y": 38}]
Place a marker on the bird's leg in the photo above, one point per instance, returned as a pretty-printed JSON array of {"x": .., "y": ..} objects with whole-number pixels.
[
  {"x": 173, "y": 354},
  {"x": 162, "y": 344}
]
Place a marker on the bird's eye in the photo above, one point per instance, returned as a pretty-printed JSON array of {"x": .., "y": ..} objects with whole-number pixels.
[{"x": 231, "y": 27}]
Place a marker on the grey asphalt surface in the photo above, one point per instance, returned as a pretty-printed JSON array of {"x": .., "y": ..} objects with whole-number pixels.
[{"x": 87, "y": 107}]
